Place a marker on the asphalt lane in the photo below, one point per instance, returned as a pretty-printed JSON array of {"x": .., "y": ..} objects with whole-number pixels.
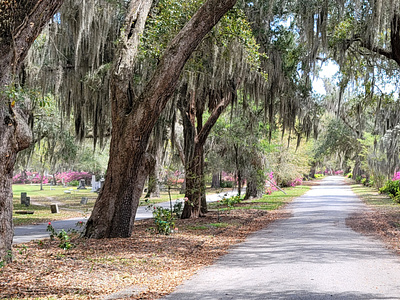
[{"x": 311, "y": 255}]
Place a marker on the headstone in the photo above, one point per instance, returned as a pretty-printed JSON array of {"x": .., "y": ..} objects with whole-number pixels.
[
  {"x": 94, "y": 183},
  {"x": 23, "y": 198},
  {"x": 102, "y": 182},
  {"x": 27, "y": 201},
  {"x": 84, "y": 200},
  {"x": 54, "y": 208},
  {"x": 82, "y": 185}
]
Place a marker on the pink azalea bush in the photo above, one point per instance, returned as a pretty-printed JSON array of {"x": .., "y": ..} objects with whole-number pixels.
[
  {"x": 72, "y": 175},
  {"x": 35, "y": 177},
  {"x": 296, "y": 181},
  {"x": 396, "y": 176},
  {"x": 270, "y": 184}
]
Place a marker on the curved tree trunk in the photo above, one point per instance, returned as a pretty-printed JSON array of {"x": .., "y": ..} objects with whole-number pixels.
[
  {"x": 134, "y": 118},
  {"x": 194, "y": 172},
  {"x": 20, "y": 23}
]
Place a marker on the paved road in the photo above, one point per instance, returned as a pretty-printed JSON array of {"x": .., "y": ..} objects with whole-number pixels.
[
  {"x": 24, "y": 234},
  {"x": 311, "y": 255}
]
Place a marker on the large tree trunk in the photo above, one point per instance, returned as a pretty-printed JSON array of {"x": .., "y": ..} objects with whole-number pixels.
[
  {"x": 20, "y": 23},
  {"x": 195, "y": 187},
  {"x": 252, "y": 190},
  {"x": 134, "y": 118}
]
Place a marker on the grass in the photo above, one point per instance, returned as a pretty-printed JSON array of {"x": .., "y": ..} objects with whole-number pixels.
[
  {"x": 268, "y": 202},
  {"x": 372, "y": 197},
  {"x": 69, "y": 204}
]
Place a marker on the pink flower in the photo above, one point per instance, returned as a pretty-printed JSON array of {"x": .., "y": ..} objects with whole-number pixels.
[{"x": 49, "y": 223}]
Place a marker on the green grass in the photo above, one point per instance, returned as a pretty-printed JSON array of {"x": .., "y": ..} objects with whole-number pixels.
[
  {"x": 372, "y": 197},
  {"x": 269, "y": 202}
]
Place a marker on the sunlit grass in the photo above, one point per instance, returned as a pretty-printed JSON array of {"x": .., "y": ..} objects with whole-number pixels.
[
  {"x": 268, "y": 202},
  {"x": 372, "y": 197}
]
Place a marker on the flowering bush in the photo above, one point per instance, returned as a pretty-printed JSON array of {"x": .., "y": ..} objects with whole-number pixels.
[
  {"x": 72, "y": 175},
  {"x": 396, "y": 176},
  {"x": 30, "y": 177},
  {"x": 296, "y": 181},
  {"x": 339, "y": 172},
  {"x": 270, "y": 185}
]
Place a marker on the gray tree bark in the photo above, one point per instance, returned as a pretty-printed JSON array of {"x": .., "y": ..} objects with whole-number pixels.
[{"x": 20, "y": 23}]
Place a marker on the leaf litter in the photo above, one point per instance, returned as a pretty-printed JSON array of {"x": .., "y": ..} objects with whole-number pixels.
[{"x": 145, "y": 266}]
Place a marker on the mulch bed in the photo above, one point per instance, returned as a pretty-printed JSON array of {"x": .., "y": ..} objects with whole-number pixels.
[
  {"x": 145, "y": 266},
  {"x": 384, "y": 225}
]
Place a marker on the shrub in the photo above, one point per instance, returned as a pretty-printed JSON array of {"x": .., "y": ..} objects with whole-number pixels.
[
  {"x": 63, "y": 237},
  {"x": 391, "y": 188},
  {"x": 74, "y": 183},
  {"x": 230, "y": 202},
  {"x": 163, "y": 219},
  {"x": 358, "y": 179},
  {"x": 226, "y": 184}
]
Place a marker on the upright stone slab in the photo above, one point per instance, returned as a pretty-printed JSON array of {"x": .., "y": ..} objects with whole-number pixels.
[
  {"x": 94, "y": 183},
  {"x": 23, "y": 198},
  {"x": 84, "y": 200},
  {"x": 27, "y": 201},
  {"x": 82, "y": 185},
  {"x": 54, "y": 208}
]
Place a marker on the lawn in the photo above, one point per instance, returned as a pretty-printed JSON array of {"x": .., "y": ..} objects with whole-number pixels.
[{"x": 69, "y": 203}]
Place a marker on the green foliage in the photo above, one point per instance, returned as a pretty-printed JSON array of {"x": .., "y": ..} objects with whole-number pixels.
[
  {"x": 392, "y": 188},
  {"x": 62, "y": 236},
  {"x": 231, "y": 201},
  {"x": 74, "y": 183},
  {"x": 226, "y": 184},
  {"x": 19, "y": 95},
  {"x": 164, "y": 220}
]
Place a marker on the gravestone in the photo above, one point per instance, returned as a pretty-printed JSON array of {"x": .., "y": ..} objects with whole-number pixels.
[
  {"x": 81, "y": 185},
  {"x": 84, "y": 200},
  {"x": 54, "y": 208},
  {"x": 27, "y": 201},
  {"x": 23, "y": 198}
]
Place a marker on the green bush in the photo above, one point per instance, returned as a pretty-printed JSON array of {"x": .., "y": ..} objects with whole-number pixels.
[
  {"x": 230, "y": 202},
  {"x": 226, "y": 184},
  {"x": 164, "y": 220},
  {"x": 364, "y": 181},
  {"x": 74, "y": 183},
  {"x": 349, "y": 175},
  {"x": 358, "y": 179},
  {"x": 391, "y": 188},
  {"x": 62, "y": 236}
]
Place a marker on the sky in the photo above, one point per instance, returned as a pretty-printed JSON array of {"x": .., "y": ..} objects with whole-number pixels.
[{"x": 328, "y": 70}]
